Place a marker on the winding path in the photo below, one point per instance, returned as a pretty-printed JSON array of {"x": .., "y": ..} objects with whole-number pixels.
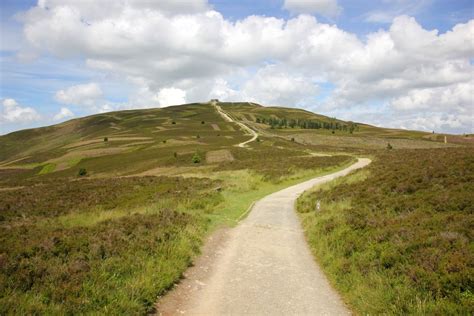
[
  {"x": 263, "y": 268},
  {"x": 227, "y": 118}
]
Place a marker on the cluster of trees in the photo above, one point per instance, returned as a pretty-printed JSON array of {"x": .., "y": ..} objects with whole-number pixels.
[{"x": 307, "y": 124}]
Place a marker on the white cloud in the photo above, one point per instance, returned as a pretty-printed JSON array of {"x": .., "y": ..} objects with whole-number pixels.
[
  {"x": 13, "y": 112},
  {"x": 328, "y": 8},
  {"x": 438, "y": 122},
  {"x": 274, "y": 86},
  {"x": 171, "y": 96},
  {"x": 63, "y": 114},
  {"x": 175, "y": 58},
  {"x": 82, "y": 94}
]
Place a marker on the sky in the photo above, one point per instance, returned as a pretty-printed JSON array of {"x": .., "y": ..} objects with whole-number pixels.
[{"x": 392, "y": 63}]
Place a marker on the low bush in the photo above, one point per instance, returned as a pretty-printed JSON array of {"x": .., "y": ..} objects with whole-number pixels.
[
  {"x": 82, "y": 172},
  {"x": 196, "y": 158}
]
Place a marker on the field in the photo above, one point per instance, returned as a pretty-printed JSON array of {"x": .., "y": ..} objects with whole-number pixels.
[
  {"x": 397, "y": 238},
  {"x": 119, "y": 236}
]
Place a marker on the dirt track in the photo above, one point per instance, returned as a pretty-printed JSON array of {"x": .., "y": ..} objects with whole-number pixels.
[
  {"x": 262, "y": 267},
  {"x": 227, "y": 118}
]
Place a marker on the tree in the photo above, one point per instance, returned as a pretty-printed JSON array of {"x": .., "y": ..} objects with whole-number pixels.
[
  {"x": 106, "y": 139},
  {"x": 196, "y": 158},
  {"x": 389, "y": 146},
  {"x": 82, "y": 172}
]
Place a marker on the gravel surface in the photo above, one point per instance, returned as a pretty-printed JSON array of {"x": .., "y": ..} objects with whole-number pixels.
[{"x": 261, "y": 267}]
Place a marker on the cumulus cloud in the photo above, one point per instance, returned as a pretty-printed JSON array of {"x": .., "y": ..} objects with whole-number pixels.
[
  {"x": 275, "y": 86},
  {"x": 82, "y": 94},
  {"x": 12, "y": 112},
  {"x": 175, "y": 55},
  {"x": 63, "y": 114},
  {"x": 171, "y": 96},
  {"x": 328, "y": 8}
]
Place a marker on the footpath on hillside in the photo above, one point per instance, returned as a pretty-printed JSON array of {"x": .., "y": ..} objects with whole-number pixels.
[
  {"x": 227, "y": 118},
  {"x": 261, "y": 267}
]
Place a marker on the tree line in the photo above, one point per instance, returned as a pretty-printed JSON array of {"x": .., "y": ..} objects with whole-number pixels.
[{"x": 307, "y": 124}]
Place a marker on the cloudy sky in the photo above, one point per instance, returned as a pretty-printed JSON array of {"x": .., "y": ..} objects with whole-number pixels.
[{"x": 396, "y": 63}]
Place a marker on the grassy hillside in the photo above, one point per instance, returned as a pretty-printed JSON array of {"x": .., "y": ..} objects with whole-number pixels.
[
  {"x": 331, "y": 134},
  {"x": 136, "y": 141},
  {"x": 397, "y": 238},
  {"x": 101, "y": 214},
  {"x": 120, "y": 235}
]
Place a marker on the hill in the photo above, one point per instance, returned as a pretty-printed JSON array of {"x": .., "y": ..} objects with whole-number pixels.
[
  {"x": 153, "y": 137},
  {"x": 104, "y": 213}
]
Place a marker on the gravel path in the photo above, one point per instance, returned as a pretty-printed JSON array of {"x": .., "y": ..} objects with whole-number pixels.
[
  {"x": 263, "y": 266},
  {"x": 227, "y": 118}
]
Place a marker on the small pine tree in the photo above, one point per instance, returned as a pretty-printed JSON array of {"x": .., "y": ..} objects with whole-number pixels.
[
  {"x": 164, "y": 141},
  {"x": 196, "y": 158},
  {"x": 175, "y": 154},
  {"x": 202, "y": 122},
  {"x": 173, "y": 122},
  {"x": 292, "y": 139},
  {"x": 106, "y": 139},
  {"x": 198, "y": 136},
  {"x": 389, "y": 146}
]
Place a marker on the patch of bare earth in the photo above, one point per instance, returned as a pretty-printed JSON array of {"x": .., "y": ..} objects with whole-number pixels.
[
  {"x": 216, "y": 127},
  {"x": 216, "y": 156}
]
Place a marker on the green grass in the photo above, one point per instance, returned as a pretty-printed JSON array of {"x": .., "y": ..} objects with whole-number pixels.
[
  {"x": 397, "y": 238},
  {"x": 48, "y": 168}
]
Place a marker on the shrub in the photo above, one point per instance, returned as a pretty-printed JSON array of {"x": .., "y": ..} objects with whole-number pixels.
[
  {"x": 292, "y": 139},
  {"x": 174, "y": 123},
  {"x": 197, "y": 136},
  {"x": 106, "y": 139},
  {"x": 196, "y": 158},
  {"x": 164, "y": 141},
  {"x": 202, "y": 122},
  {"x": 175, "y": 155},
  {"x": 82, "y": 172},
  {"x": 389, "y": 146}
]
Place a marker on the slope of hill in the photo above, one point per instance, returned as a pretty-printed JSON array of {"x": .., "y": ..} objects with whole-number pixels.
[
  {"x": 104, "y": 213},
  {"x": 333, "y": 134}
]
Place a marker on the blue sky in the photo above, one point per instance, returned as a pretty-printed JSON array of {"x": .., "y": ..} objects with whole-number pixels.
[{"x": 377, "y": 62}]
